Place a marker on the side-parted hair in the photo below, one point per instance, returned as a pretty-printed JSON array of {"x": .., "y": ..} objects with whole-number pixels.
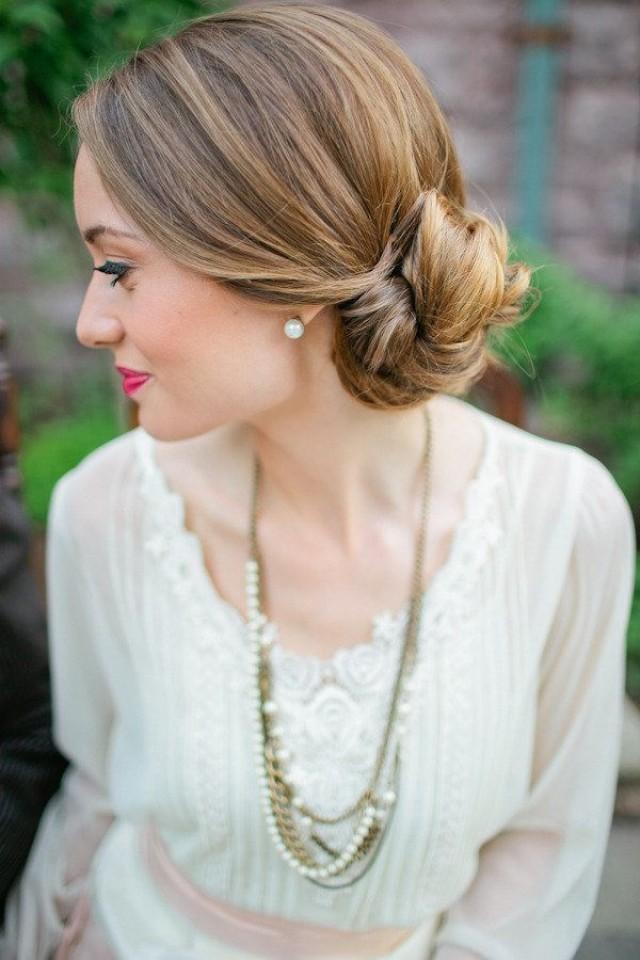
[{"x": 293, "y": 152}]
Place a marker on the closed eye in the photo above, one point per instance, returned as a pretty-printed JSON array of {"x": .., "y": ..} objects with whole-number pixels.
[{"x": 112, "y": 266}]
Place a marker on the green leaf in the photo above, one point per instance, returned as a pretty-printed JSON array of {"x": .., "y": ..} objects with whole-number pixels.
[{"x": 41, "y": 16}]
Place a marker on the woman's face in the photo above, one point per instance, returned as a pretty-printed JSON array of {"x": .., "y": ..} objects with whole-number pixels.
[{"x": 213, "y": 356}]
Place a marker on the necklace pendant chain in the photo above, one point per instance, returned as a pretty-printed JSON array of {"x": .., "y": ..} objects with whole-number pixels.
[{"x": 375, "y": 805}]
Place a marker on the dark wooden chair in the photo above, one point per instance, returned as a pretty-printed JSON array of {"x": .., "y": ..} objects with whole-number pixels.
[{"x": 503, "y": 394}]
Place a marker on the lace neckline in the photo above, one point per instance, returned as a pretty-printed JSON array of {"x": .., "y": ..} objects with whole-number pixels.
[{"x": 174, "y": 539}]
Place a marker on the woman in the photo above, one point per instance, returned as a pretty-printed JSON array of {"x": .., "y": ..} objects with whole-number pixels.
[{"x": 304, "y": 730}]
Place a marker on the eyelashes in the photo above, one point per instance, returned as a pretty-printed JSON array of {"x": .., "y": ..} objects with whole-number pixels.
[{"x": 112, "y": 266}]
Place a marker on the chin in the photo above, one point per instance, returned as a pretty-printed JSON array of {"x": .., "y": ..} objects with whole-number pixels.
[{"x": 168, "y": 430}]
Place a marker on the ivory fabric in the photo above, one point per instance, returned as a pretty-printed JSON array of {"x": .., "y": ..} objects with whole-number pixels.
[{"x": 508, "y": 763}]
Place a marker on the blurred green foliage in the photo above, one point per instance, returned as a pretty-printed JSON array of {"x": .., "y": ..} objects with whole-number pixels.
[
  {"x": 54, "y": 450},
  {"x": 50, "y": 50},
  {"x": 633, "y": 640},
  {"x": 577, "y": 357},
  {"x": 62, "y": 422}
]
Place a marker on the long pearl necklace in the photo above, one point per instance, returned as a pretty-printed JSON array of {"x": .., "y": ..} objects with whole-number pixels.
[{"x": 279, "y": 799}]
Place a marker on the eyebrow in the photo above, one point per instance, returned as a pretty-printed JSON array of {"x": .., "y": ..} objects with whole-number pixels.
[{"x": 99, "y": 229}]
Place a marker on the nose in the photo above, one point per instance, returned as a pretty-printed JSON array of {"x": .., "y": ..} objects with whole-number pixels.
[{"x": 97, "y": 325}]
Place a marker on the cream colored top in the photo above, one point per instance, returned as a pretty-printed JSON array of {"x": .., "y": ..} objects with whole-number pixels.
[{"x": 508, "y": 762}]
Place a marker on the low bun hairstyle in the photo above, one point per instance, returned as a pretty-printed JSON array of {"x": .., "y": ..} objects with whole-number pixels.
[{"x": 294, "y": 153}]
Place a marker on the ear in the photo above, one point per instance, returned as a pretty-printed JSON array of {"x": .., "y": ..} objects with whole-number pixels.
[{"x": 308, "y": 312}]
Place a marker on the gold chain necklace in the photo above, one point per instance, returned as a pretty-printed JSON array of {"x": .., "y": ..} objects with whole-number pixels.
[{"x": 279, "y": 799}]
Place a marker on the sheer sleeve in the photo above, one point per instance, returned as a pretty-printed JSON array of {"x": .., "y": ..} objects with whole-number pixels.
[
  {"x": 45, "y": 905},
  {"x": 537, "y": 880}
]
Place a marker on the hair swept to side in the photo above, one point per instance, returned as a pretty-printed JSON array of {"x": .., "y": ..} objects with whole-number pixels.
[{"x": 295, "y": 153}]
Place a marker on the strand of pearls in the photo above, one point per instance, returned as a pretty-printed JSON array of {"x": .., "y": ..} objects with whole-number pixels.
[
  {"x": 372, "y": 815},
  {"x": 278, "y": 797}
]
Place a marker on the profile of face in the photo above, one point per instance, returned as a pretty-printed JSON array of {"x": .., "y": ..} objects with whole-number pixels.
[{"x": 214, "y": 356}]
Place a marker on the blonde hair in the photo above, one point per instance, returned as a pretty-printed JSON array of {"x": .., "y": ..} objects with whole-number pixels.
[{"x": 293, "y": 152}]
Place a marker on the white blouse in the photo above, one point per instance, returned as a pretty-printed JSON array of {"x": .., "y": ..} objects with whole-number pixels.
[{"x": 508, "y": 760}]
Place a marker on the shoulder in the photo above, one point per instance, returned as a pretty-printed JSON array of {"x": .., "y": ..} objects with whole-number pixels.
[
  {"x": 92, "y": 490},
  {"x": 524, "y": 457},
  {"x": 527, "y": 453},
  {"x": 605, "y": 528},
  {"x": 572, "y": 487},
  {"x": 542, "y": 466}
]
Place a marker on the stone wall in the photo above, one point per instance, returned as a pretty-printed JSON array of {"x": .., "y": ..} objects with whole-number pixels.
[{"x": 596, "y": 185}]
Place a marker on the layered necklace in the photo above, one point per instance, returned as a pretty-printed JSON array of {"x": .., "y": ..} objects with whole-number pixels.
[{"x": 290, "y": 820}]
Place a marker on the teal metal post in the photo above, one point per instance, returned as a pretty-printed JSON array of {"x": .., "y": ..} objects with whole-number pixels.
[{"x": 540, "y": 36}]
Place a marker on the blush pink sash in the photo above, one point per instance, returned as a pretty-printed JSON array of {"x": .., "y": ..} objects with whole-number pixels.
[
  {"x": 263, "y": 935},
  {"x": 82, "y": 939}
]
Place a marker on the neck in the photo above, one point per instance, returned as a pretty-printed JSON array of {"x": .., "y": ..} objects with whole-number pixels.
[{"x": 331, "y": 470}]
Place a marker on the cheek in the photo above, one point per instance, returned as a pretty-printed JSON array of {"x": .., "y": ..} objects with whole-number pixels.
[
  {"x": 213, "y": 381},
  {"x": 169, "y": 328},
  {"x": 213, "y": 362},
  {"x": 205, "y": 350}
]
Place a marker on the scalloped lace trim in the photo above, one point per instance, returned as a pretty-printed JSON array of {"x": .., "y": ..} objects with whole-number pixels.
[{"x": 181, "y": 555}]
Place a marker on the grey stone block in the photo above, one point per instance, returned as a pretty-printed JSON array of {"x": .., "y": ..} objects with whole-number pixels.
[{"x": 605, "y": 41}]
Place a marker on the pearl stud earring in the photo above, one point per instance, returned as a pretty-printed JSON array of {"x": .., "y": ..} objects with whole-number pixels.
[{"x": 294, "y": 328}]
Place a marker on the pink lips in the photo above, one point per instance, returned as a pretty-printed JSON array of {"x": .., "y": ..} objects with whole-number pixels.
[{"x": 132, "y": 380}]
